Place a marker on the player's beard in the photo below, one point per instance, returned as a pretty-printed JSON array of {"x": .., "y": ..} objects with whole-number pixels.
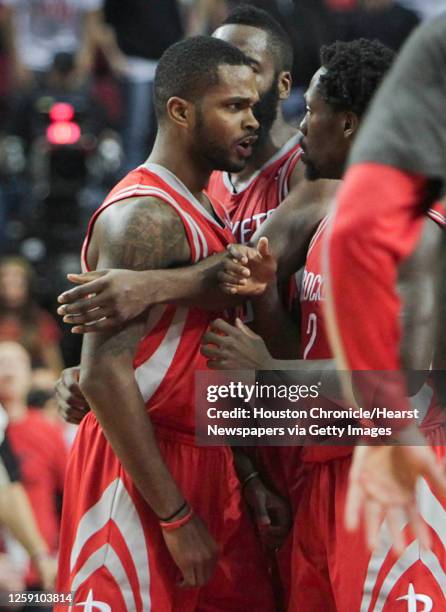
[
  {"x": 311, "y": 171},
  {"x": 208, "y": 148},
  {"x": 265, "y": 111}
]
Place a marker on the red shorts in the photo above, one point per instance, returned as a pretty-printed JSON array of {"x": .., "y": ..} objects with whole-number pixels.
[
  {"x": 333, "y": 570},
  {"x": 112, "y": 550}
]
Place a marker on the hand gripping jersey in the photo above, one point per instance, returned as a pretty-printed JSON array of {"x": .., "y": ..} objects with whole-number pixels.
[
  {"x": 112, "y": 553},
  {"x": 261, "y": 195}
]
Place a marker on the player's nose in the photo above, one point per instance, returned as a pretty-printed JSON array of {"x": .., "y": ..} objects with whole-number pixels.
[{"x": 251, "y": 122}]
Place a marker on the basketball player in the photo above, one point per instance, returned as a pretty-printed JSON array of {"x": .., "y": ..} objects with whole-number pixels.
[
  {"x": 396, "y": 166},
  {"x": 332, "y": 569},
  {"x": 249, "y": 197},
  {"x": 145, "y": 511}
]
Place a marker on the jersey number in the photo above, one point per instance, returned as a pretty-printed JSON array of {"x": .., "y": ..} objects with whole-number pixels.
[{"x": 312, "y": 331}]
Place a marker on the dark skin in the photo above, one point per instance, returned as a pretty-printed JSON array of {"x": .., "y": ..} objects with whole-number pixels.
[{"x": 140, "y": 234}]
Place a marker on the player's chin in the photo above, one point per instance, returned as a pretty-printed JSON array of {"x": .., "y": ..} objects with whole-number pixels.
[{"x": 236, "y": 164}]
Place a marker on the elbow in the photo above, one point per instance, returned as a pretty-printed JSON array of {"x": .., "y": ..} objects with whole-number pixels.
[{"x": 94, "y": 383}]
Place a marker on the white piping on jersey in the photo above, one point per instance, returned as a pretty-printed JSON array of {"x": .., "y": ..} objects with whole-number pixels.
[
  {"x": 434, "y": 515},
  {"x": 114, "y": 504},
  {"x": 292, "y": 142},
  {"x": 436, "y": 216},
  {"x": 105, "y": 557},
  {"x": 150, "y": 374},
  {"x": 173, "y": 181},
  {"x": 318, "y": 232},
  {"x": 199, "y": 240},
  {"x": 284, "y": 187}
]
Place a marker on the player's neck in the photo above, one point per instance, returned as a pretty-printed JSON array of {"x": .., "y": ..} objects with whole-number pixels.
[
  {"x": 278, "y": 136},
  {"x": 193, "y": 175}
]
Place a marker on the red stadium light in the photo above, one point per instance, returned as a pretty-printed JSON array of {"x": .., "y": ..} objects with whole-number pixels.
[
  {"x": 63, "y": 133},
  {"x": 61, "y": 111}
]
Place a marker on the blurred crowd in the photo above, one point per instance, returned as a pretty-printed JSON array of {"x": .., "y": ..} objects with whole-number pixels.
[{"x": 75, "y": 115}]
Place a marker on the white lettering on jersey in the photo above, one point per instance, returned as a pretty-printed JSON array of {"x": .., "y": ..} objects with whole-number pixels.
[
  {"x": 313, "y": 287},
  {"x": 244, "y": 230}
]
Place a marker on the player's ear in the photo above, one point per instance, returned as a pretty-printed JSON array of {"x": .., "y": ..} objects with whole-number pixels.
[
  {"x": 284, "y": 85},
  {"x": 351, "y": 124},
  {"x": 179, "y": 111}
]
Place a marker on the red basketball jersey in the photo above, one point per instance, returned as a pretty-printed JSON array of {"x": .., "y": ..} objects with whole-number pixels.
[
  {"x": 169, "y": 354},
  {"x": 314, "y": 337},
  {"x": 261, "y": 195}
]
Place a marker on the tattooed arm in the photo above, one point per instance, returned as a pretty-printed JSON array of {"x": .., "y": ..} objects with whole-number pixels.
[{"x": 140, "y": 234}]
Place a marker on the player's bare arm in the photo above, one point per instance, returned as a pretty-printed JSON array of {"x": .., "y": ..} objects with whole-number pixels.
[
  {"x": 417, "y": 286},
  {"x": 378, "y": 485},
  {"x": 105, "y": 299},
  {"x": 289, "y": 231},
  {"x": 291, "y": 227},
  {"x": 271, "y": 512},
  {"x": 140, "y": 234}
]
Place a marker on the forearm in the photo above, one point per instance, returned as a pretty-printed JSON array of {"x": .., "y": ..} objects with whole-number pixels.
[
  {"x": 130, "y": 434},
  {"x": 195, "y": 286},
  {"x": 243, "y": 464},
  {"x": 16, "y": 514},
  {"x": 275, "y": 324},
  {"x": 108, "y": 382}
]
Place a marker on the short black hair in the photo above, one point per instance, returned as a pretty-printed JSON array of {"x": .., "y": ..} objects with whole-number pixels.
[
  {"x": 354, "y": 71},
  {"x": 280, "y": 42},
  {"x": 189, "y": 67}
]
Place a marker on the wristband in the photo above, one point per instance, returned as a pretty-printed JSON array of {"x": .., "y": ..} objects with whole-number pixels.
[
  {"x": 173, "y": 515},
  {"x": 248, "y": 478},
  {"x": 177, "y": 524}
]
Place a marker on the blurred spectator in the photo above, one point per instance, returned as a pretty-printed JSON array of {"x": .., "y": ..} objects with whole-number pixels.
[
  {"x": 42, "y": 395},
  {"x": 38, "y": 30},
  {"x": 135, "y": 35},
  {"x": 386, "y": 20},
  {"x": 203, "y": 16},
  {"x": 22, "y": 320},
  {"x": 17, "y": 516},
  {"x": 38, "y": 444}
]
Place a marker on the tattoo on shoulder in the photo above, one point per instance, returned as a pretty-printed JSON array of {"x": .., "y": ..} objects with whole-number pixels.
[{"x": 143, "y": 233}]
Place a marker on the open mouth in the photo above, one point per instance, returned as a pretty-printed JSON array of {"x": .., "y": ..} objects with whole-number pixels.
[{"x": 244, "y": 147}]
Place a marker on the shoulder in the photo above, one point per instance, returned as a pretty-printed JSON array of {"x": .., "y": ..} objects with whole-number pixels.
[{"x": 140, "y": 233}]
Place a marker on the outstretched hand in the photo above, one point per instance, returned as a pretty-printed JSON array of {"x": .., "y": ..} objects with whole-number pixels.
[
  {"x": 230, "y": 347},
  {"x": 247, "y": 270},
  {"x": 382, "y": 485}
]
